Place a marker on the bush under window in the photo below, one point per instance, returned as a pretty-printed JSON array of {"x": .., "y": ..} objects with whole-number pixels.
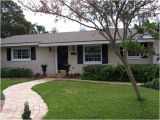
[
  {"x": 7, "y": 72},
  {"x": 142, "y": 73}
]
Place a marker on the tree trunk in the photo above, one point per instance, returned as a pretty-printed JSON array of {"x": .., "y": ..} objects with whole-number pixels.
[
  {"x": 134, "y": 84},
  {"x": 129, "y": 73}
]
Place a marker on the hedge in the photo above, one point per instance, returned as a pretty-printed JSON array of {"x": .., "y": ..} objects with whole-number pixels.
[
  {"x": 142, "y": 73},
  {"x": 155, "y": 84},
  {"x": 7, "y": 72}
]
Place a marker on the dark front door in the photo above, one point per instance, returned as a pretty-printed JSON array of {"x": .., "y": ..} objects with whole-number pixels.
[{"x": 62, "y": 53}]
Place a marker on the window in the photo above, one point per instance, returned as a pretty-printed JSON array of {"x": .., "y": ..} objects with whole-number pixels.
[
  {"x": 21, "y": 54},
  {"x": 133, "y": 55},
  {"x": 92, "y": 54}
]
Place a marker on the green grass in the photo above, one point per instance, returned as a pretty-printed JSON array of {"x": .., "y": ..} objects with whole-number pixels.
[
  {"x": 6, "y": 82},
  {"x": 79, "y": 100}
]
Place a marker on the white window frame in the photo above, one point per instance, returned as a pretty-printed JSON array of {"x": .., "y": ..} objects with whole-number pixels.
[
  {"x": 91, "y": 62},
  {"x": 12, "y": 55},
  {"x": 134, "y": 57}
]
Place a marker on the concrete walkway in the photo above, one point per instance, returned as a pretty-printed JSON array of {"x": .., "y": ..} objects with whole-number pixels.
[{"x": 17, "y": 95}]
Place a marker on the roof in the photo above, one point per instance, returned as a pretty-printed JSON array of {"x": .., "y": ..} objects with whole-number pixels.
[{"x": 55, "y": 39}]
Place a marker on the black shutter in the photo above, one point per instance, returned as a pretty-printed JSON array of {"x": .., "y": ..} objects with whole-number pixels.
[
  {"x": 121, "y": 51},
  {"x": 33, "y": 53},
  {"x": 104, "y": 53},
  {"x": 80, "y": 54},
  {"x": 8, "y": 54}
]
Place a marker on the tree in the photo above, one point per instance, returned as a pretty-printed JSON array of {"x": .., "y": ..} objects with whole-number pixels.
[
  {"x": 151, "y": 27},
  {"x": 101, "y": 15},
  {"x": 13, "y": 21},
  {"x": 37, "y": 29},
  {"x": 54, "y": 30}
]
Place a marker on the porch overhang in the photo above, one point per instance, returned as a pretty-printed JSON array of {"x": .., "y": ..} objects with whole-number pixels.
[
  {"x": 73, "y": 43},
  {"x": 87, "y": 42}
]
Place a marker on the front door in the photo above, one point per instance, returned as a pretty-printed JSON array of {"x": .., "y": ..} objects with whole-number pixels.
[{"x": 62, "y": 53}]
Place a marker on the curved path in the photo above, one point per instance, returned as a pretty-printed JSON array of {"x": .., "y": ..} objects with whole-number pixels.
[{"x": 15, "y": 97}]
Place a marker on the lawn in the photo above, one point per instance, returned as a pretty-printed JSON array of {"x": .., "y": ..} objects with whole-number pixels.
[
  {"x": 79, "y": 100},
  {"x": 6, "y": 82}
]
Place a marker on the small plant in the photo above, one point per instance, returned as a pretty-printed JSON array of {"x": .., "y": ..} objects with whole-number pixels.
[
  {"x": 37, "y": 75},
  {"x": 26, "y": 114},
  {"x": 155, "y": 84},
  {"x": 66, "y": 68}
]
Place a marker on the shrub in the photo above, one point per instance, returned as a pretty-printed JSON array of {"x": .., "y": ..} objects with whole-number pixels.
[
  {"x": 37, "y": 75},
  {"x": 90, "y": 71},
  {"x": 26, "y": 114},
  {"x": 153, "y": 84},
  {"x": 120, "y": 73},
  {"x": 142, "y": 73},
  {"x": 7, "y": 72}
]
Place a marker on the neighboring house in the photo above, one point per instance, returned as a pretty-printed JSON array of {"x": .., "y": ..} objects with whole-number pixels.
[{"x": 57, "y": 49}]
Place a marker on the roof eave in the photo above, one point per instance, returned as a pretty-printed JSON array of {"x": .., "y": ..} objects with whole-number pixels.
[{"x": 18, "y": 44}]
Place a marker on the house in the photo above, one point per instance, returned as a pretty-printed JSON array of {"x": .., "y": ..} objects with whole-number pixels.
[{"x": 57, "y": 49}]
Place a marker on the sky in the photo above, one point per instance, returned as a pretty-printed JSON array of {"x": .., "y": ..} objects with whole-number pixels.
[{"x": 48, "y": 21}]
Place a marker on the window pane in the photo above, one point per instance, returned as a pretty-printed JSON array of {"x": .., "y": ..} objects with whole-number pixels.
[
  {"x": 92, "y": 49},
  {"x": 25, "y": 53},
  {"x": 131, "y": 53},
  {"x": 92, "y": 53},
  {"x": 15, "y": 54},
  {"x": 21, "y": 53}
]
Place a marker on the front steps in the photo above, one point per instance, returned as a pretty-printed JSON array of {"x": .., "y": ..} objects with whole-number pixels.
[{"x": 58, "y": 75}]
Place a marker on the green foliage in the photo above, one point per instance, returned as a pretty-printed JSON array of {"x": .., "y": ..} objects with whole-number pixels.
[
  {"x": 85, "y": 100},
  {"x": 37, "y": 29},
  {"x": 91, "y": 72},
  {"x": 151, "y": 27},
  {"x": 142, "y": 73},
  {"x": 13, "y": 21},
  {"x": 119, "y": 73},
  {"x": 26, "y": 114},
  {"x": 155, "y": 84},
  {"x": 135, "y": 46},
  {"x": 145, "y": 73},
  {"x": 7, "y": 72}
]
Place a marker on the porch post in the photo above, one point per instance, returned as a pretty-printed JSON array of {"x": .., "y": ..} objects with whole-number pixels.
[{"x": 56, "y": 59}]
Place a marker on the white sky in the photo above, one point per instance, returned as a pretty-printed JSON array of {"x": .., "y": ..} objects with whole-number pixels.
[{"x": 48, "y": 21}]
